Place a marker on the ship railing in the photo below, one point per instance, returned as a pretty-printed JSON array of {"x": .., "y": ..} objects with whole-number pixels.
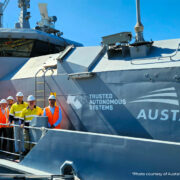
[
  {"x": 172, "y": 55},
  {"x": 37, "y": 177},
  {"x": 42, "y": 129},
  {"x": 159, "y": 58}
]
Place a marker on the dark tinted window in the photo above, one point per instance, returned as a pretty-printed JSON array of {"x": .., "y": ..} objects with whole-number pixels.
[
  {"x": 26, "y": 48},
  {"x": 16, "y": 47},
  {"x": 42, "y": 48}
]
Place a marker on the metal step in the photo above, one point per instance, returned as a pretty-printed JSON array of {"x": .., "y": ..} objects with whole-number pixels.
[
  {"x": 40, "y": 100},
  {"x": 39, "y": 82},
  {"x": 40, "y": 91}
]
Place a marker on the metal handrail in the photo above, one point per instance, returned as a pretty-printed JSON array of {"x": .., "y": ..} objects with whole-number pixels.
[
  {"x": 7, "y": 152},
  {"x": 10, "y": 139},
  {"x": 36, "y": 80},
  {"x": 42, "y": 129},
  {"x": 44, "y": 81},
  {"x": 171, "y": 55},
  {"x": 159, "y": 57},
  {"x": 49, "y": 177},
  {"x": 30, "y": 127},
  {"x": 48, "y": 69}
]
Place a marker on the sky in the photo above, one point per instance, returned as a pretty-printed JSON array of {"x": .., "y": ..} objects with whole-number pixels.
[{"x": 86, "y": 21}]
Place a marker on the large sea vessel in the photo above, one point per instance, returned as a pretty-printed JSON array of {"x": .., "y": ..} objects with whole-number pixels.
[{"x": 120, "y": 101}]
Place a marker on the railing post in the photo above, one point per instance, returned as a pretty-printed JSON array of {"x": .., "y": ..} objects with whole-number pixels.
[{"x": 43, "y": 130}]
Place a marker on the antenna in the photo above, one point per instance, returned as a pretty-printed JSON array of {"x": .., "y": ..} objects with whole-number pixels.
[
  {"x": 43, "y": 11},
  {"x": 1, "y": 14},
  {"x": 24, "y": 15},
  {"x": 2, "y": 9},
  {"x": 139, "y": 28},
  {"x": 47, "y": 23},
  {"x": 45, "y": 19}
]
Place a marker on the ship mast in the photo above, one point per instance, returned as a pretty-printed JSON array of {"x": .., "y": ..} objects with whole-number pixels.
[
  {"x": 2, "y": 9},
  {"x": 139, "y": 28},
  {"x": 24, "y": 15}
]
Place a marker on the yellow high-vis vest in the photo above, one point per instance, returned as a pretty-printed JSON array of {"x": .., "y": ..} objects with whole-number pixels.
[
  {"x": 27, "y": 114},
  {"x": 17, "y": 108}
]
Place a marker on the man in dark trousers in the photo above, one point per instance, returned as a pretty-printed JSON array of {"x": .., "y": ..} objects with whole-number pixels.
[
  {"x": 9, "y": 129},
  {"x": 3, "y": 126}
]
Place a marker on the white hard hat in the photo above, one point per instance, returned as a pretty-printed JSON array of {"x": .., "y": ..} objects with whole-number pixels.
[
  {"x": 3, "y": 101},
  {"x": 31, "y": 98},
  {"x": 52, "y": 97},
  {"x": 10, "y": 98},
  {"x": 19, "y": 94}
]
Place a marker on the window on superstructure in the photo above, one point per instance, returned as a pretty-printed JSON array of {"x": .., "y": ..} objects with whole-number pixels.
[
  {"x": 27, "y": 48},
  {"x": 16, "y": 47},
  {"x": 43, "y": 48}
]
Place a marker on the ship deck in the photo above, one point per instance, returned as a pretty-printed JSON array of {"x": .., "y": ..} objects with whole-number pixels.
[{"x": 10, "y": 169}]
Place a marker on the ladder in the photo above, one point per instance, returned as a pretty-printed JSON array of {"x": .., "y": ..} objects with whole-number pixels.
[{"x": 40, "y": 86}]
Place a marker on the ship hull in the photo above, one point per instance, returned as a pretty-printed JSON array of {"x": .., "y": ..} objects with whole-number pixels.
[{"x": 135, "y": 103}]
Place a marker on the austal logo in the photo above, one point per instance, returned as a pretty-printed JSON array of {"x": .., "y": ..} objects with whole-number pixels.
[
  {"x": 167, "y": 96},
  {"x": 160, "y": 96}
]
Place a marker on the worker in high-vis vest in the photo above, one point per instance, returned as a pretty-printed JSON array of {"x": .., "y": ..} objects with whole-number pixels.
[
  {"x": 26, "y": 117},
  {"x": 3, "y": 132},
  {"x": 53, "y": 113},
  {"x": 10, "y": 131},
  {"x": 14, "y": 115}
]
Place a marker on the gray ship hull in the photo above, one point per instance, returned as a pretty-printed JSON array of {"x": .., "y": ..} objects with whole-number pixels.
[
  {"x": 120, "y": 101},
  {"x": 100, "y": 156},
  {"x": 134, "y": 113},
  {"x": 129, "y": 104}
]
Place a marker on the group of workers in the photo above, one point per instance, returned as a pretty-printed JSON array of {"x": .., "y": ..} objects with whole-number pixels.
[{"x": 15, "y": 117}]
